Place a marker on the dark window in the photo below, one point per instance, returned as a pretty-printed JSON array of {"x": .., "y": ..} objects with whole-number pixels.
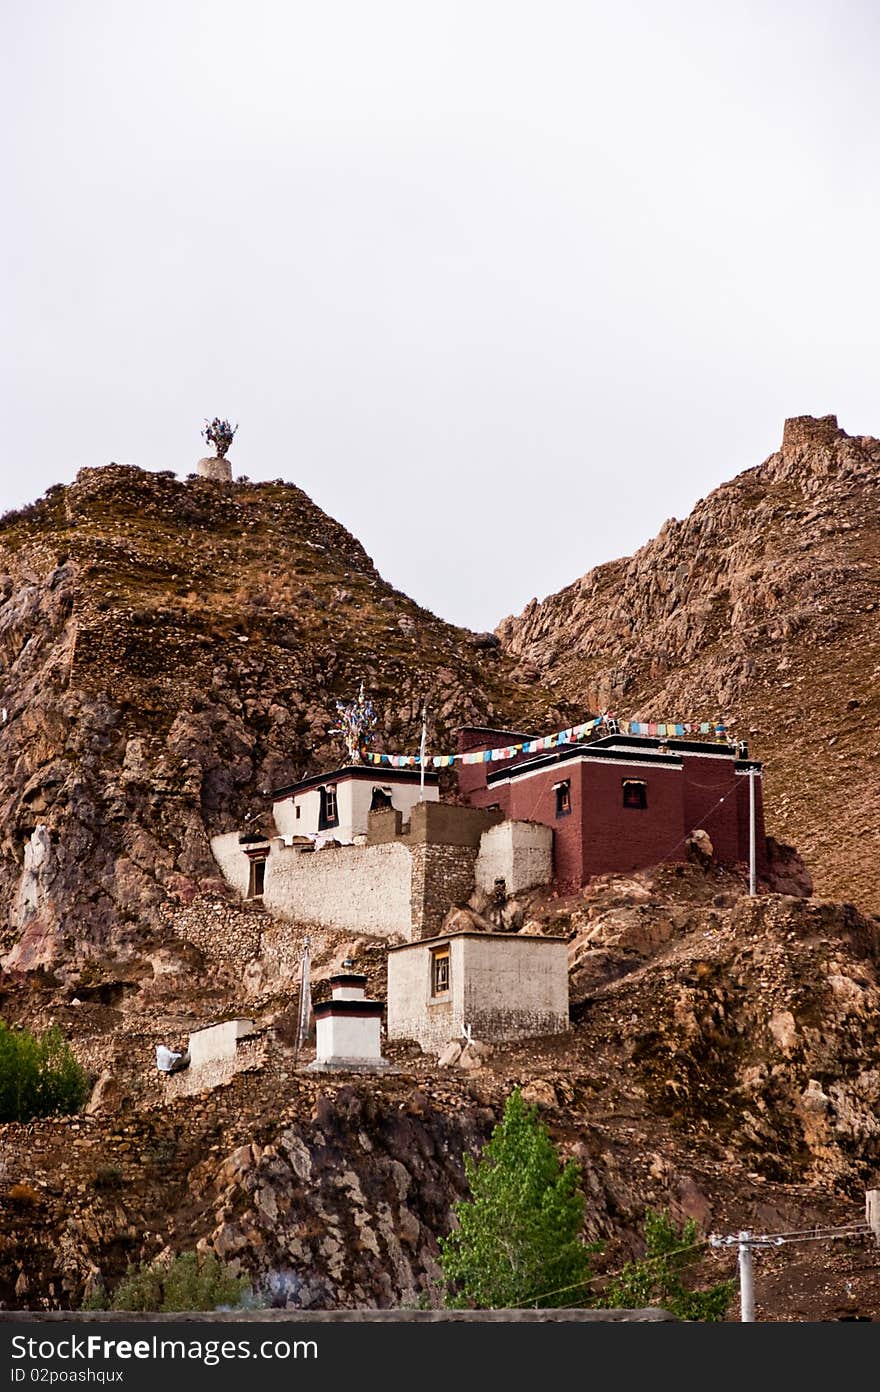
[
  {"x": 257, "y": 878},
  {"x": 329, "y": 811},
  {"x": 439, "y": 971},
  {"x": 380, "y": 799},
  {"x": 298, "y": 810},
  {"x": 635, "y": 793},
  {"x": 563, "y": 798}
]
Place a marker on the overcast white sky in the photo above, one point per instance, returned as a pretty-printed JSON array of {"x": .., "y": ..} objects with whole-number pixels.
[{"x": 502, "y": 286}]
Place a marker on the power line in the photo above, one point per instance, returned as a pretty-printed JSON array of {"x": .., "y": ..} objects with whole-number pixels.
[
  {"x": 746, "y": 1243},
  {"x": 610, "y": 1275},
  {"x": 855, "y": 1229}
]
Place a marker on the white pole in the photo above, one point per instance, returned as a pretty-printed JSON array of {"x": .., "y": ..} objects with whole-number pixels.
[
  {"x": 305, "y": 995},
  {"x": 752, "y": 869},
  {"x": 746, "y": 1283},
  {"x": 422, "y": 747}
]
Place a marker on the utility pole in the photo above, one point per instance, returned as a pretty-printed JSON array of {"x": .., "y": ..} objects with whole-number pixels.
[
  {"x": 745, "y": 1242},
  {"x": 746, "y": 1280},
  {"x": 872, "y": 1211},
  {"x": 752, "y": 867}
]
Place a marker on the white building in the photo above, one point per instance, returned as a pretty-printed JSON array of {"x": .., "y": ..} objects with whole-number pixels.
[
  {"x": 497, "y": 985},
  {"x": 336, "y": 805}
]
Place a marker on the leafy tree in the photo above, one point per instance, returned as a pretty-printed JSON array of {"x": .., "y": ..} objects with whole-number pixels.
[
  {"x": 658, "y": 1279},
  {"x": 189, "y": 1283},
  {"x": 39, "y": 1075},
  {"x": 518, "y": 1241}
]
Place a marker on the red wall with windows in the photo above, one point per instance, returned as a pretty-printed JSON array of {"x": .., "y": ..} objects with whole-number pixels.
[
  {"x": 533, "y": 799},
  {"x": 601, "y": 835}
]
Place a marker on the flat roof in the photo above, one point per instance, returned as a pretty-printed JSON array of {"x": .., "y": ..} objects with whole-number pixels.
[
  {"x": 616, "y": 747},
  {"x": 483, "y": 937},
  {"x": 383, "y": 773}
]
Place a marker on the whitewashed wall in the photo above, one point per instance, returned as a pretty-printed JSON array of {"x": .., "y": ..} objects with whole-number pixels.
[{"x": 520, "y": 853}]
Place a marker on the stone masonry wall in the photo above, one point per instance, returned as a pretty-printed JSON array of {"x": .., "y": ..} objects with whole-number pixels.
[
  {"x": 397, "y": 888},
  {"x": 441, "y": 876},
  {"x": 229, "y": 935},
  {"x": 251, "y": 1055},
  {"x": 362, "y": 889}
]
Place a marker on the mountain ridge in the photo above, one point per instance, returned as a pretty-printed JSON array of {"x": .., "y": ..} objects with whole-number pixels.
[{"x": 761, "y": 607}]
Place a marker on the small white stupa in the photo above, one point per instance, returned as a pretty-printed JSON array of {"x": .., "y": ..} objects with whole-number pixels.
[{"x": 348, "y": 1029}]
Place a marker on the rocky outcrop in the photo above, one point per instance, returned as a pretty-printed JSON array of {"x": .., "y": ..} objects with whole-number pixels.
[
  {"x": 170, "y": 652},
  {"x": 761, "y": 606}
]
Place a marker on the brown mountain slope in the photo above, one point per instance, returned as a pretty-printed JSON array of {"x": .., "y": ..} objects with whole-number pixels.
[
  {"x": 761, "y": 606},
  {"x": 722, "y": 1063},
  {"x": 168, "y": 652}
]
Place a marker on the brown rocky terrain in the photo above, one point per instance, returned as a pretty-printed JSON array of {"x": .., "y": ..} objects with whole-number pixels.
[
  {"x": 170, "y": 650},
  {"x": 723, "y": 1062},
  {"x": 762, "y": 606}
]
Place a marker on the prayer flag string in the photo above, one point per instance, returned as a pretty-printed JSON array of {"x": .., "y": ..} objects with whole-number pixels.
[{"x": 661, "y": 729}]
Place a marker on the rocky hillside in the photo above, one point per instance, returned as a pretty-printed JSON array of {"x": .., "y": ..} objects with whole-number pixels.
[
  {"x": 763, "y": 606},
  {"x": 723, "y": 1062},
  {"x": 169, "y": 651}
]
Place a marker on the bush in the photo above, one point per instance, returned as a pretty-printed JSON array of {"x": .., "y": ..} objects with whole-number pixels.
[
  {"x": 658, "y": 1279},
  {"x": 189, "y": 1283},
  {"x": 518, "y": 1241},
  {"x": 39, "y": 1075}
]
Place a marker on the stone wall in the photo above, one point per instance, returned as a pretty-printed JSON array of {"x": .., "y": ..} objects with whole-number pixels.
[
  {"x": 229, "y": 935},
  {"x": 520, "y": 853},
  {"x": 431, "y": 823},
  {"x": 250, "y": 1055},
  {"x": 441, "y": 877},
  {"x": 362, "y": 889},
  {"x": 396, "y": 886},
  {"x": 809, "y": 431}
]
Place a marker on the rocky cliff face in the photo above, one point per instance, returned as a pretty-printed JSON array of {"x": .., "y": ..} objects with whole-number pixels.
[
  {"x": 171, "y": 651},
  {"x": 763, "y": 606},
  {"x": 723, "y": 1062}
]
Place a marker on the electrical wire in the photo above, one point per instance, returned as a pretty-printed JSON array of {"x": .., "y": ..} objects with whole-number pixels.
[{"x": 610, "y": 1275}]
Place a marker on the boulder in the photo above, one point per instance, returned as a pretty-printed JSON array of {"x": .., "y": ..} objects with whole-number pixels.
[{"x": 450, "y": 1055}]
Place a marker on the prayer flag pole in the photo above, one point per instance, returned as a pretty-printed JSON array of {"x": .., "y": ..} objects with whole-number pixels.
[{"x": 422, "y": 747}]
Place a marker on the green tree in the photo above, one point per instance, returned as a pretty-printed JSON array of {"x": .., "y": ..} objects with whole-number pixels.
[
  {"x": 39, "y": 1075},
  {"x": 518, "y": 1239},
  {"x": 659, "y": 1278},
  {"x": 189, "y": 1283}
]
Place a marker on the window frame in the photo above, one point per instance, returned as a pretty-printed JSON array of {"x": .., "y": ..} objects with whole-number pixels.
[
  {"x": 329, "y": 798},
  {"x": 563, "y": 797},
  {"x": 441, "y": 970},
  {"x": 640, "y": 804}
]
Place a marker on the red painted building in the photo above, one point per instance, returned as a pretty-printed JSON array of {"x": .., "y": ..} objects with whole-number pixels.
[{"x": 622, "y": 802}]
